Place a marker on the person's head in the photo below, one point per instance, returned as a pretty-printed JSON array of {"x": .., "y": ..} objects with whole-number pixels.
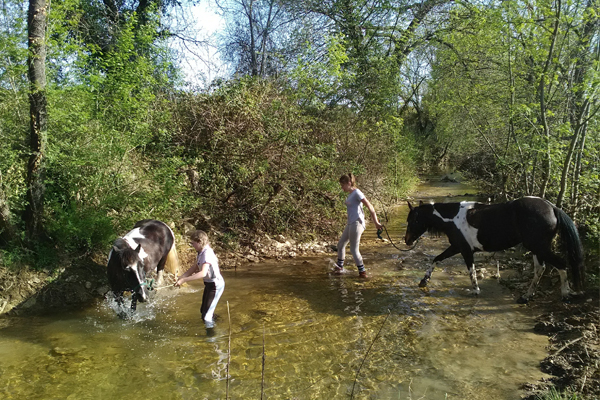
[
  {"x": 348, "y": 181},
  {"x": 199, "y": 239}
]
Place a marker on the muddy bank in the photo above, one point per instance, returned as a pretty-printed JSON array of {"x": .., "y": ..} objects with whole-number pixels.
[
  {"x": 574, "y": 351},
  {"x": 573, "y": 358}
]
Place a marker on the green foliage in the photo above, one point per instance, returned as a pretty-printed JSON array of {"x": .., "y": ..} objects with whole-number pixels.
[
  {"x": 318, "y": 83},
  {"x": 554, "y": 394},
  {"x": 14, "y": 122},
  {"x": 248, "y": 155},
  {"x": 485, "y": 100},
  {"x": 256, "y": 160}
]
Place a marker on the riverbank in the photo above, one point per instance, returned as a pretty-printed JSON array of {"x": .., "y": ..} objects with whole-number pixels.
[
  {"x": 79, "y": 282},
  {"x": 573, "y": 331}
]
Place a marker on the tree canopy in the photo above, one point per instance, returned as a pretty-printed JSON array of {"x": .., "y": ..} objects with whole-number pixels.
[{"x": 507, "y": 92}]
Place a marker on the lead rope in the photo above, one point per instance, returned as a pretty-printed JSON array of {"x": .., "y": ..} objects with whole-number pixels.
[
  {"x": 150, "y": 285},
  {"x": 379, "y": 231}
]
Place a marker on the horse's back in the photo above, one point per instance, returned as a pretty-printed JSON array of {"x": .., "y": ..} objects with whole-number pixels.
[
  {"x": 528, "y": 220},
  {"x": 158, "y": 240},
  {"x": 536, "y": 218}
]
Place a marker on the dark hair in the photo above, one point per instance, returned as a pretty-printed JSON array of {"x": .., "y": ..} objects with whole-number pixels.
[{"x": 350, "y": 178}]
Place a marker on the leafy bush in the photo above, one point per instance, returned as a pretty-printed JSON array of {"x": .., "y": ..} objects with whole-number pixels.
[{"x": 257, "y": 160}]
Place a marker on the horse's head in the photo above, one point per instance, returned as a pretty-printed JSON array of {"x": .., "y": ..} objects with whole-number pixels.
[
  {"x": 417, "y": 224},
  {"x": 131, "y": 270}
]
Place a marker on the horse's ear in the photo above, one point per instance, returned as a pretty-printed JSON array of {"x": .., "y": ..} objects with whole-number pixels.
[
  {"x": 409, "y": 205},
  {"x": 420, "y": 203}
]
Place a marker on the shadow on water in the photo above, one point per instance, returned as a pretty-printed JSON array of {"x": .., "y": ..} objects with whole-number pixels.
[{"x": 317, "y": 329}]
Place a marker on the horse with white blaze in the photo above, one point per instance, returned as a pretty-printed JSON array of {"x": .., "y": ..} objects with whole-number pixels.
[
  {"x": 149, "y": 246},
  {"x": 472, "y": 227}
]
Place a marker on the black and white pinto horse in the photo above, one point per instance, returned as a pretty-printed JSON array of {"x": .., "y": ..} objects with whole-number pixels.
[
  {"x": 149, "y": 246},
  {"x": 472, "y": 227}
]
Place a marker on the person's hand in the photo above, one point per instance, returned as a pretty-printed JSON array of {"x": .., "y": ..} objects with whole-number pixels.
[
  {"x": 178, "y": 283},
  {"x": 378, "y": 225}
]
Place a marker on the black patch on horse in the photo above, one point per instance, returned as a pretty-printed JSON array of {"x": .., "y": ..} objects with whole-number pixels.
[{"x": 447, "y": 210}]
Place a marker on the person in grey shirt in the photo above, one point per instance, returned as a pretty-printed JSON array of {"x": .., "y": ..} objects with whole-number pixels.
[{"x": 355, "y": 225}]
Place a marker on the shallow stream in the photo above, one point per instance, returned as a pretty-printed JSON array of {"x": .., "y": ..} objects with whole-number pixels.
[{"x": 316, "y": 329}]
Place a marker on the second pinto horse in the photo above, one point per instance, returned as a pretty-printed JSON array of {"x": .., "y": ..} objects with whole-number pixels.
[{"x": 472, "y": 227}]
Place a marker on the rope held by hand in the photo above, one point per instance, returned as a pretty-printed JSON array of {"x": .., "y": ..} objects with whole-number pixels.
[{"x": 379, "y": 231}]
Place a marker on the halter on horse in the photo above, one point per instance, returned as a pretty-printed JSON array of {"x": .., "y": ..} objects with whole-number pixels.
[
  {"x": 149, "y": 246},
  {"x": 472, "y": 227}
]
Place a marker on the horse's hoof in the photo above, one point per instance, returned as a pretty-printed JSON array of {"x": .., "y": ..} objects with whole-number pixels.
[
  {"x": 522, "y": 300},
  {"x": 423, "y": 282}
]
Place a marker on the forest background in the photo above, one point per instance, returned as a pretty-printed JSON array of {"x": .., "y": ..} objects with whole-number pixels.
[{"x": 99, "y": 128}]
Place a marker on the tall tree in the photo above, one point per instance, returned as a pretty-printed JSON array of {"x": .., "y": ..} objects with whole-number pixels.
[
  {"x": 378, "y": 36},
  {"x": 36, "y": 25},
  {"x": 525, "y": 78},
  {"x": 258, "y": 37}
]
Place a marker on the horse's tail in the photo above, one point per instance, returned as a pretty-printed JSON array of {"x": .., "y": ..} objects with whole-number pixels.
[
  {"x": 572, "y": 245},
  {"x": 172, "y": 262}
]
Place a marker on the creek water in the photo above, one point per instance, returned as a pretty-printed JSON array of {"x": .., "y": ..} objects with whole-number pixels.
[{"x": 316, "y": 330}]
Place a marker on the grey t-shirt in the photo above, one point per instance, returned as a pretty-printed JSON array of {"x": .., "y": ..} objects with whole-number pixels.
[{"x": 354, "y": 207}]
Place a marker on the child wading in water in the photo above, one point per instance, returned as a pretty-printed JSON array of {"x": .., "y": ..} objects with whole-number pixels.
[
  {"x": 207, "y": 267},
  {"x": 355, "y": 226}
]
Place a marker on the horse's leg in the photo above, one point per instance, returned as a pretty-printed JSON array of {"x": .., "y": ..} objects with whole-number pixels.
[
  {"x": 121, "y": 313},
  {"x": 118, "y": 298},
  {"x": 470, "y": 262},
  {"x": 561, "y": 266},
  {"x": 565, "y": 289},
  {"x": 159, "y": 278},
  {"x": 449, "y": 252},
  {"x": 160, "y": 270},
  {"x": 134, "y": 299},
  {"x": 538, "y": 271}
]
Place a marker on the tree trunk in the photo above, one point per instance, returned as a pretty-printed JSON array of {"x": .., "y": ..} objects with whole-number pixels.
[
  {"x": 253, "y": 60},
  {"x": 577, "y": 173},
  {"x": 7, "y": 228},
  {"x": 36, "y": 25},
  {"x": 579, "y": 132},
  {"x": 588, "y": 54},
  {"x": 547, "y": 163},
  {"x": 265, "y": 36}
]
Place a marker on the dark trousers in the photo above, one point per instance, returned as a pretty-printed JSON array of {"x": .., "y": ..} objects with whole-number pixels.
[{"x": 210, "y": 290}]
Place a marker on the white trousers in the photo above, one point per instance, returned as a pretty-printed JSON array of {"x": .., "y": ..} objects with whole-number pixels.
[{"x": 352, "y": 233}]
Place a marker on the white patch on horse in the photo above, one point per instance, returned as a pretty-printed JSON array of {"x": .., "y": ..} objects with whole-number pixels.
[
  {"x": 460, "y": 220},
  {"x": 129, "y": 238}
]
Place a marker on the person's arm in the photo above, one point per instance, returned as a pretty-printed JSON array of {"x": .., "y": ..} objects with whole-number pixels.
[
  {"x": 192, "y": 274},
  {"x": 372, "y": 211}
]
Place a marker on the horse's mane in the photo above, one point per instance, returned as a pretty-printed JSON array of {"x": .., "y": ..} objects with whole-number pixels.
[{"x": 436, "y": 232}]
